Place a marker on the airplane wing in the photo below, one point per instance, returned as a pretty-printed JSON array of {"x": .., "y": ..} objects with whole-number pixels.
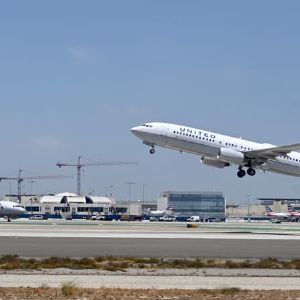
[{"x": 271, "y": 153}]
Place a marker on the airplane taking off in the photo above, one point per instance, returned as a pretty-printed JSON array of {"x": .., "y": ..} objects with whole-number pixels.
[
  {"x": 10, "y": 209},
  {"x": 221, "y": 151}
]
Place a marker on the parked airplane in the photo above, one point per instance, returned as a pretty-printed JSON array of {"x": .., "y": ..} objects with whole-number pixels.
[
  {"x": 293, "y": 212},
  {"x": 159, "y": 213},
  {"x": 221, "y": 151},
  {"x": 270, "y": 213},
  {"x": 10, "y": 210}
]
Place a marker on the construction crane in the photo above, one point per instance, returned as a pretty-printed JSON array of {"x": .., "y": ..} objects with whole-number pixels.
[
  {"x": 80, "y": 164},
  {"x": 20, "y": 179}
]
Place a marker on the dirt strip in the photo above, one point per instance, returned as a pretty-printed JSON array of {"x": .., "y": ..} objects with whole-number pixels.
[
  {"x": 71, "y": 292},
  {"x": 158, "y": 279}
]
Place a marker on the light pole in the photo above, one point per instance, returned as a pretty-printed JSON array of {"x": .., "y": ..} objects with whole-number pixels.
[
  {"x": 31, "y": 182},
  {"x": 144, "y": 193},
  {"x": 111, "y": 191},
  {"x": 248, "y": 197},
  {"x": 106, "y": 190},
  {"x": 129, "y": 192}
]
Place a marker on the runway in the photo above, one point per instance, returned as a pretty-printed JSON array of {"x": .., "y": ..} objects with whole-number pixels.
[
  {"x": 82, "y": 239},
  {"x": 130, "y": 247}
]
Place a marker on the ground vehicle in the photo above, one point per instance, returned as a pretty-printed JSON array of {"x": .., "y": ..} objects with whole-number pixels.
[
  {"x": 167, "y": 219},
  {"x": 98, "y": 218},
  {"x": 36, "y": 217},
  {"x": 276, "y": 221},
  {"x": 130, "y": 218},
  {"x": 193, "y": 219}
]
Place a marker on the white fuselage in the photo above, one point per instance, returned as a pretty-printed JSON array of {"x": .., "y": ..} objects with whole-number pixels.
[
  {"x": 158, "y": 213},
  {"x": 208, "y": 145},
  {"x": 294, "y": 213},
  {"x": 278, "y": 216},
  {"x": 10, "y": 209}
]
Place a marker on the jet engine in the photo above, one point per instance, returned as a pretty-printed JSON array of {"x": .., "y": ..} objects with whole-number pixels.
[
  {"x": 232, "y": 156},
  {"x": 214, "y": 162}
]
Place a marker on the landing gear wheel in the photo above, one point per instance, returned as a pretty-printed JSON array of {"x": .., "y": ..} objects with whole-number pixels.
[
  {"x": 152, "y": 150},
  {"x": 251, "y": 172},
  {"x": 241, "y": 173}
]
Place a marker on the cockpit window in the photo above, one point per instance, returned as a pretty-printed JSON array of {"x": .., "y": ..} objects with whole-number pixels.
[{"x": 147, "y": 125}]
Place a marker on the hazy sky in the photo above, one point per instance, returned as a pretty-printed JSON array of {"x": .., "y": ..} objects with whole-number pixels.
[{"x": 75, "y": 76}]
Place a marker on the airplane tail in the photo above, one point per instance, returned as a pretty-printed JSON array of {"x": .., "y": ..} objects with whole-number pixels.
[
  {"x": 169, "y": 209},
  {"x": 268, "y": 209},
  {"x": 147, "y": 211},
  {"x": 291, "y": 208}
]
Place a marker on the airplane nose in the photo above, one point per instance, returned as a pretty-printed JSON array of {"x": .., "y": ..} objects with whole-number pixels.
[{"x": 135, "y": 130}]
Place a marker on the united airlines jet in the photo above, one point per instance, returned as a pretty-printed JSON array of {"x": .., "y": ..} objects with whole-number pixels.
[{"x": 221, "y": 151}]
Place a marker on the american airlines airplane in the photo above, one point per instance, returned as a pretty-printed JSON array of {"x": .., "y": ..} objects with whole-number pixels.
[
  {"x": 159, "y": 213},
  {"x": 10, "y": 209},
  {"x": 281, "y": 215},
  {"x": 218, "y": 150},
  {"x": 293, "y": 212}
]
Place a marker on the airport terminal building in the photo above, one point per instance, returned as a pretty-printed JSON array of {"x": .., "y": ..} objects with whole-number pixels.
[
  {"x": 206, "y": 205},
  {"x": 66, "y": 204}
]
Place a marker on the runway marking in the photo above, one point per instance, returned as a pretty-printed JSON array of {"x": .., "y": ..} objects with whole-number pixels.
[
  {"x": 80, "y": 229},
  {"x": 147, "y": 235}
]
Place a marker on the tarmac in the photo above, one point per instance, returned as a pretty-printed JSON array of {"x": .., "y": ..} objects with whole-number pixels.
[
  {"x": 40, "y": 238},
  {"x": 83, "y": 238}
]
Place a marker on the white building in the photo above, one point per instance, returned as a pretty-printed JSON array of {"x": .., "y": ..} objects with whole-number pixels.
[{"x": 64, "y": 204}]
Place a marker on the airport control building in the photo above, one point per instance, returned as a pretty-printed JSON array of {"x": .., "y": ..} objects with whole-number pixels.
[{"x": 206, "y": 205}]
